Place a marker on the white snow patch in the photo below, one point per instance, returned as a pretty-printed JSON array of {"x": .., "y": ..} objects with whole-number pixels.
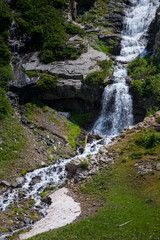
[{"x": 62, "y": 211}]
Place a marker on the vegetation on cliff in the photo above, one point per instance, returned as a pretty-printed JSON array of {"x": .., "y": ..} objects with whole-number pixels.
[
  {"x": 98, "y": 77},
  {"x": 43, "y": 21},
  {"x": 146, "y": 74},
  {"x": 5, "y": 55}
]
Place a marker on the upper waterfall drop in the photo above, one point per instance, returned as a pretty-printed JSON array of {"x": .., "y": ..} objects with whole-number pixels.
[
  {"x": 116, "y": 111},
  {"x": 136, "y": 23}
]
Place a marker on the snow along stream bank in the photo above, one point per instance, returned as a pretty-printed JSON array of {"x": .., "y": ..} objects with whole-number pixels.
[{"x": 62, "y": 211}]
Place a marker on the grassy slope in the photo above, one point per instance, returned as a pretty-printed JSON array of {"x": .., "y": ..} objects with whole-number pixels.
[
  {"x": 13, "y": 143},
  {"x": 127, "y": 196}
]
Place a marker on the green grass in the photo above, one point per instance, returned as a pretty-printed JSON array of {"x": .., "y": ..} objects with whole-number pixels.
[
  {"x": 123, "y": 202},
  {"x": 128, "y": 198},
  {"x": 73, "y": 133},
  {"x": 13, "y": 143}
]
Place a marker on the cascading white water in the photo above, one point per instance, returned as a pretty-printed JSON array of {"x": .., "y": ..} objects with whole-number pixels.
[
  {"x": 116, "y": 111},
  {"x": 116, "y": 106},
  {"x": 117, "y": 103},
  {"x": 136, "y": 23}
]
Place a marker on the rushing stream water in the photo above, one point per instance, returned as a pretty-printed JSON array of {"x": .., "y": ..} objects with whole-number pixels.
[{"x": 116, "y": 111}]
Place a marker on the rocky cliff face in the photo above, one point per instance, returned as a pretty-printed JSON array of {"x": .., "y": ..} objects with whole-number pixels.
[{"x": 70, "y": 93}]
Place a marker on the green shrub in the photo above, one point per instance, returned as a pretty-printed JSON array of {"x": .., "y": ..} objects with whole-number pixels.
[
  {"x": 139, "y": 85},
  {"x": 46, "y": 56},
  {"x": 47, "y": 82}
]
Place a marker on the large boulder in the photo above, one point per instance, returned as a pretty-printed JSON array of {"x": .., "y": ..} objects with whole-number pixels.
[{"x": 72, "y": 167}]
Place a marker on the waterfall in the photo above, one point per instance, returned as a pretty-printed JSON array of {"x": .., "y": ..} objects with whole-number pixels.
[{"x": 116, "y": 111}]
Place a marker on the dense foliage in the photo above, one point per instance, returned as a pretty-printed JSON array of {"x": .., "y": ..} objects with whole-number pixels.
[
  {"x": 5, "y": 55},
  {"x": 44, "y": 22},
  {"x": 146, "y": 75}
]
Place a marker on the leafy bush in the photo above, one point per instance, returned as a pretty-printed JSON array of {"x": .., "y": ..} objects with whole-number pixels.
[{"x": 47, "y": 82}]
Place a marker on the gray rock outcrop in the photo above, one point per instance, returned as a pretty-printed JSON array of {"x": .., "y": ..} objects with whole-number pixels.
[{"x": 69, "y": 83}]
